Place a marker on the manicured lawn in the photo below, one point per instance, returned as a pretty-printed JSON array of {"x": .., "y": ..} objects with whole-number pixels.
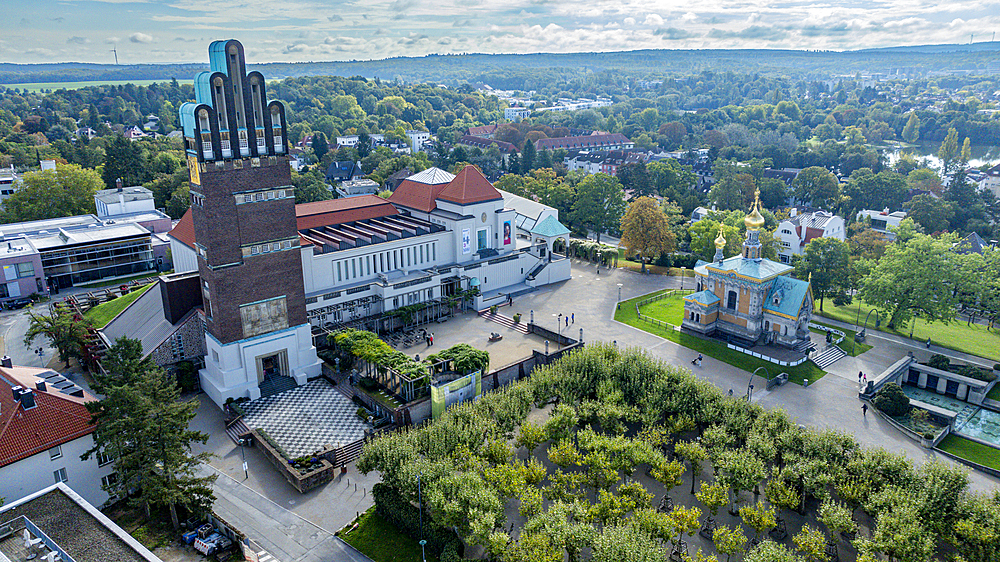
[
  {"x": 103, "y": 313},
  {"x": 974, "y": 339},
  {"x": 669, "y": 309},
  {"x": 382, "y": 542},
  {"x": 849, "y": 346},
  {"x": 971, "y": 451},
  {"x": 715, "y": 348}
]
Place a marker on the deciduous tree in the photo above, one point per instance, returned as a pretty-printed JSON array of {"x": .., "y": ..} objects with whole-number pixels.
[
  {"x": 64, "y": 333},
  {"x": 818, "y": 186},
  {"x": 827, "y": 260},
  {"x": 66, "y": 191},
  {"x": 600, "y": 204},
  {"x": 646, "y": 231}
]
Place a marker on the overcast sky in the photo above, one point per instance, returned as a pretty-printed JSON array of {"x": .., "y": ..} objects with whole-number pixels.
[{"x": 302, "y": 30}]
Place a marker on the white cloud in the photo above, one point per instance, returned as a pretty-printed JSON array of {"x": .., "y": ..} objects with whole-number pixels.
[
  {"x": 140, "y": 38},
  {"x": 690, "y": 16},
  {"x": 628, "y": 21},
  {"x": 653, "y": 19}
]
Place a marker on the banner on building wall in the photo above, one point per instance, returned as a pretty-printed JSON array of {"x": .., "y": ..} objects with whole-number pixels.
[
  {"x": 466, "y": 240},
  {"x": 444, "y": 396},
  {"x": 506, "y": 232}
]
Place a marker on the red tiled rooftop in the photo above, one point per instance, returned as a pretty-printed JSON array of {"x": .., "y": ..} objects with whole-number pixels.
[
  {"x": 416, "y": 195},
  {"x": 183, "y": 232},
  {"x": 56, "y": 419},
  {"x": 470, "y": 186},
  {"x": 339, "y": 211}
]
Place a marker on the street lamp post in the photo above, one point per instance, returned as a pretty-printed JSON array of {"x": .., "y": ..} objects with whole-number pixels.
[
  {"x": 619, "y": 292},
  {"x": 423, "y": 556},
  {"x": 750, "y": 382},
  {"x": 246, "y": 473}
]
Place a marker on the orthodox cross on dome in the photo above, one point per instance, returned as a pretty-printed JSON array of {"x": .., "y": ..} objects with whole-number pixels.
[
  {"x": 720, "y": 243},
  {"x": 753, "y": 222}
]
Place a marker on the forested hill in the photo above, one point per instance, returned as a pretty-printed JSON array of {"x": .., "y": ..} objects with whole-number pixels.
[{"x": 511, "y": 71}]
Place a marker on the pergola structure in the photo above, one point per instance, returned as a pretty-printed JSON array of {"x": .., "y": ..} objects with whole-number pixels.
[{"x": 549, "y": 230}]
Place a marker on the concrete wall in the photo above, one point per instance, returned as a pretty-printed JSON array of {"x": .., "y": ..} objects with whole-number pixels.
[
  {"x": 184, "y": 257},
  {"x": 35, "y": 473}
]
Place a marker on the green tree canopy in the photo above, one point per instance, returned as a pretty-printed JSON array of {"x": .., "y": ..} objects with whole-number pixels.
[
  {"x": 600, "y": 204},
  {"x": 827, "y": 260},
  {"x": 818, "y": 186},
  {"x": 66, "y": 191}
]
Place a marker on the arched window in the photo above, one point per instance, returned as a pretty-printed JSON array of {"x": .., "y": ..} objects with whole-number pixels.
[
  {"x": 731, "y": 301},
  {"x": 767, "y": 325}
]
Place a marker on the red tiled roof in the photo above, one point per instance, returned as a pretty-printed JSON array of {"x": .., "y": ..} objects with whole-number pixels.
[
  {"x": 339, "y": 211},
  {"x": 482, "y": 130},
  {"x": 416, "y": 195},
  {"x": 481, "y": 142},
  {"x": 595, "y": 140},
  {"x": 184, "y": 231},
  {"x": 470, "y": 186},
  {"x": 56, "y": 418}
]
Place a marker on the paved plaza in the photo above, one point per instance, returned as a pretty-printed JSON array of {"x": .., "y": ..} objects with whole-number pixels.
[{"x": 307, "y": 418}]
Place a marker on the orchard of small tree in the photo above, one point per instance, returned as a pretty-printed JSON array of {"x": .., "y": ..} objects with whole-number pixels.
[{"x": 587, "y": 460}]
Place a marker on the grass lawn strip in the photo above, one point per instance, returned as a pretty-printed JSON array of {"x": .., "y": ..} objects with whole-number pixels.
[
  {"x": 971, "y": 451},
  {"x": 122, "y": 280},
  {"x": 103, "y": 313},
  {"x": 848, "y": 346},
  {"x": 957, "y": 335},
  {"x": 669, "y": 309},
  {"x": 994, "y": 393},
  {"x": 382, "y": 542},
  {"x": 715, "y": 349}
]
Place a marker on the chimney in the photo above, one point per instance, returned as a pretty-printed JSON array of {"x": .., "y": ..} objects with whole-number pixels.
[
  {"x": 27, "y": 399},
  {"x": 6, "y": 361},
  {"x": 40, "y": 385},
  {"x": 119, "y": 183},
  {"x": 16, "y": 391}
]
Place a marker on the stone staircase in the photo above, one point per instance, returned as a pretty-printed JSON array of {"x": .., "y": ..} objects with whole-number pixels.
[
  {"x": 827, "y": 357},
  {"x": 803, "y": 346},
  {"x": 276, "y": 384},
  {"x": 505, "y": 321},
  {"x": 236, "y": 430}
]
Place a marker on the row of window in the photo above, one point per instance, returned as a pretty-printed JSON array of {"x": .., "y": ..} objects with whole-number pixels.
[
  {"x": 270, "y": 247},
  {"x": 381, "y": 262},
  {"x": 197, "y": 200},
  {"x": 19, "y": 270},
  {"x": 268, "y": 195}
]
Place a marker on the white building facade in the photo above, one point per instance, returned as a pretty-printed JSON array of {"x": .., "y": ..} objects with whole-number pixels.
[{"x": 795, "y": 232}]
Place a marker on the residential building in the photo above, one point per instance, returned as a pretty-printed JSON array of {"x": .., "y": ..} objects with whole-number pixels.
[
  {"x": 882, "y": 221},
  {"x": 123, "y": 201},
  {"x": 597, "y": 140},
  {"x": 602, "y": 161},
  {"x": 484, "y": 143},
  {"x": 748, "y": 299},
  {"x": 417, "y": 139},
  {"x": 516, "y": 114},
  {"x": 484, "y": 131},
  {"x": 992, "y": 181},
  {"x": 352, "y": 140},
  {"x": 44, "y": 429},
  {"x": 354, "y": 188},
  {"x": 699, "y": 213},
  {"x": 8, "y": 183},
  {"x": 344, "y": 171},
  {"x": 795, "y": 232},
  {"x": 134, "y": 133},
  {"x": 61, "y": 524},
  {"x": 567, "y": 104}
]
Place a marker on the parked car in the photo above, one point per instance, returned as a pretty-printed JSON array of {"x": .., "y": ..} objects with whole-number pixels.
[{"x": 15, "y": 304}]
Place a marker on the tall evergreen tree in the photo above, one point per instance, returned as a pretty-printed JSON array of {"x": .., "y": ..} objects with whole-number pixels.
[
  {"x": 144, "y": 426},
  {"x": 123, "y": 159},
  {"x": 320, "y": 145},
  {"x": 911, "y": 131},
  {"x": 527, "y": 156}
]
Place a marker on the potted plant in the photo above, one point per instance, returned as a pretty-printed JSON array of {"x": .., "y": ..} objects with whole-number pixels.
[
  {"x": 927, "y": 440},
  {"x": 517, "y": 318}
]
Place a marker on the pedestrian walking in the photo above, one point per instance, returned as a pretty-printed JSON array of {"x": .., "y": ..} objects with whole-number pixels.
[
  {"x": 865, "y": 379},
  {"x": 859, "y": 377},
  {"x": 864, "y": 410},
  {"x": 567, "y": 321},
  {"x": 572, "y": 317},
  {"x": 699, "y": 359},
  {"x": 432, "y": 338}
]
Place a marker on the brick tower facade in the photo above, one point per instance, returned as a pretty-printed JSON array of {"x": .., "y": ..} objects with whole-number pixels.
[{"x": 243, "y": 213}]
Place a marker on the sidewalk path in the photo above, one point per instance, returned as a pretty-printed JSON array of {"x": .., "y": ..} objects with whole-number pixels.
[{"x": 285, "y": 535}]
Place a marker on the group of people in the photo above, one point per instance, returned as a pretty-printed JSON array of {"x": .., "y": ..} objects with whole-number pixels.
[{"x": 428, "y": 337}]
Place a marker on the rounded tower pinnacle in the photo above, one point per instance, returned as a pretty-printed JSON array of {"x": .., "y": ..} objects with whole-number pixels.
[
  {"x": 720, "y": 240},
  {"x": 754, "y": 220}
]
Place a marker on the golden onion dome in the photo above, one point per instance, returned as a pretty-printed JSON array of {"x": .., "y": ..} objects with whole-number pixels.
[
  {"x": 755, "y": 220},
  {"x": 720, "y": 241}
]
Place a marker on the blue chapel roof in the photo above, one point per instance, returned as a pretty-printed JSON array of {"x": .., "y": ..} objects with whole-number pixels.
[
  {"x": 790, "y": 292},
  {"x": 704, "y": 298},
  {"x": 754, "y": 269}
]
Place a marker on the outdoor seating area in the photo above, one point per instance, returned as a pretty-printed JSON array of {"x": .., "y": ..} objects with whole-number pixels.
[{"x": 406, "y": 339}]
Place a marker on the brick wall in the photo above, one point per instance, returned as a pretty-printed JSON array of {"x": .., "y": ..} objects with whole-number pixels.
[{"x": 192, "y": 336}]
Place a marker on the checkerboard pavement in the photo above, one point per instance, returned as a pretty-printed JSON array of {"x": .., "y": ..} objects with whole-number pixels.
[{"x": 306, "y": 418}]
